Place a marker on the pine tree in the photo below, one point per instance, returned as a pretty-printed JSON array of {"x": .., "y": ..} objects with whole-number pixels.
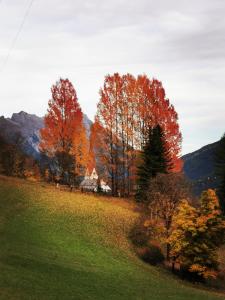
[
  {"x": 154, "y": 160},
  {"x": 220, "y": 169}
]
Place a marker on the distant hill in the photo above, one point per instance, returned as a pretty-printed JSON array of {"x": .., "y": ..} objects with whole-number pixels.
[
  {"x": 23, "y": 129},
  {"x": 199, "y": 167}
]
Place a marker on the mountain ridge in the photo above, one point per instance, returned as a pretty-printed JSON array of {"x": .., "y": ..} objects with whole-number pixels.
[
  {"x": 199, "y": 168},
  {"x": 24, "y": 129}
]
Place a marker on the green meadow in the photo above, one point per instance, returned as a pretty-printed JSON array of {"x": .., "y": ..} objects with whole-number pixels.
[{"x": 60, "y": 245}]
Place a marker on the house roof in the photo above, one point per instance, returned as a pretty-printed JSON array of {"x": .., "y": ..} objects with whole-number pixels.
[{"x": 89, "y": 183}]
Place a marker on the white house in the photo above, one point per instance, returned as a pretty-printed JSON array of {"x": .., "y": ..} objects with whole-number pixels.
[
  {"x": 105, "y": 188},
  {"x": 90, "y": 182}
]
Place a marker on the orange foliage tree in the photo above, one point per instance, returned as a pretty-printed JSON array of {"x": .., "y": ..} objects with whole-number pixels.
[
  {"x": 197, "y": 235},
  {"x": 127, "y": 109},
  {"x": 155, "y": 109},
  {"x": 80, "y": 150},
  {"x": 63, "y": 136},
  {"x": 91, "y": 163}
]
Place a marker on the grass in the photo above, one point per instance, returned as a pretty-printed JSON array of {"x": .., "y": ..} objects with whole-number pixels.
[{"x": 60, "y": 245}]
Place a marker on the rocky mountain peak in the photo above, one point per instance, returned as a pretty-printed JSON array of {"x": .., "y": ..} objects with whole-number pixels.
[
  {"x": 27, "y": 126},
  {"x": 30, "y": 121}
]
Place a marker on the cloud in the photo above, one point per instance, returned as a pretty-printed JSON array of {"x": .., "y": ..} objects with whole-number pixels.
[{"x": 179, "y": 42}]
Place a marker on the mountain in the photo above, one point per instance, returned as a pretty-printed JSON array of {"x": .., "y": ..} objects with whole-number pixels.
[
  {"x": 199, "y": 167},
  {"x": 23, "y": 129}
]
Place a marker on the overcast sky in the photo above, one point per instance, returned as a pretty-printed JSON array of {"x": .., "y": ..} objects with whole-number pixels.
[{"x": 180, "y": 42}]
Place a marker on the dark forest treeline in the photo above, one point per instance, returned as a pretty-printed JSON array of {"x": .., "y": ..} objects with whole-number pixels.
[{"x": 13, "y": 162}]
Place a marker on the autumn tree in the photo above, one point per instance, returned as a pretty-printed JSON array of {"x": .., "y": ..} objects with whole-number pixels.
[
  {"x": 127, "y": 109},
  {"x": 154, "y": 108},
  {"x": 63, "y": 125},
  {"x": 197, "y": 235},
  {"x": 91, "y": 163},
  {"x": 31, "y": 169},
  {"x": 164, "y": 194},
  {"x": 80, "y": 150},
  {"x": 107, "y": 123},
  {"x": 131, "y": 138}
]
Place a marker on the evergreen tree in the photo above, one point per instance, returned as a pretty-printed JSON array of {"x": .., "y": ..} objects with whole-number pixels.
[
  {"x": 220, "y": 170},
  {"x": 154, "y": 160}
]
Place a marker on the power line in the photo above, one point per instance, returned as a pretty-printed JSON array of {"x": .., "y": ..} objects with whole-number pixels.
[{"x": 16, "y": 36}]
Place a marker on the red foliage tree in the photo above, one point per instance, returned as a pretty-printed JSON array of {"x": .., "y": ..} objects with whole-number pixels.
[
  {"x": 155, "y": 109},
  {"x": 127, "y": 109},
  {"x": 63, "y": 123}
]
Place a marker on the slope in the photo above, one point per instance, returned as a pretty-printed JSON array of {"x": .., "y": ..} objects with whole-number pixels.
[{"x": 61, "y": 245}]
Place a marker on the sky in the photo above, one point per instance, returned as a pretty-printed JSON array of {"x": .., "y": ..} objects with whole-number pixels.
[{"x": 179, "y": 42}]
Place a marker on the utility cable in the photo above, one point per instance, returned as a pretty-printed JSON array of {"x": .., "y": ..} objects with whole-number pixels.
[{"x": 16, "y": 36}]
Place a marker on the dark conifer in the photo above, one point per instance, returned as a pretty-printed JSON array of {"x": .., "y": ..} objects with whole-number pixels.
[{"x": 154, "y": 160}]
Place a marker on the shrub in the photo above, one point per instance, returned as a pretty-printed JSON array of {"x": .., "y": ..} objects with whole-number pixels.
[
  {"x": 151, "y": 254},
  {"x": 138, "y": 234},
  {"x": 143, "y": 231}
]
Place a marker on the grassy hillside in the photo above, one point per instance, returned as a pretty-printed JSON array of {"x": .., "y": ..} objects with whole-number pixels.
[{"x": 61, "y": 245}]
